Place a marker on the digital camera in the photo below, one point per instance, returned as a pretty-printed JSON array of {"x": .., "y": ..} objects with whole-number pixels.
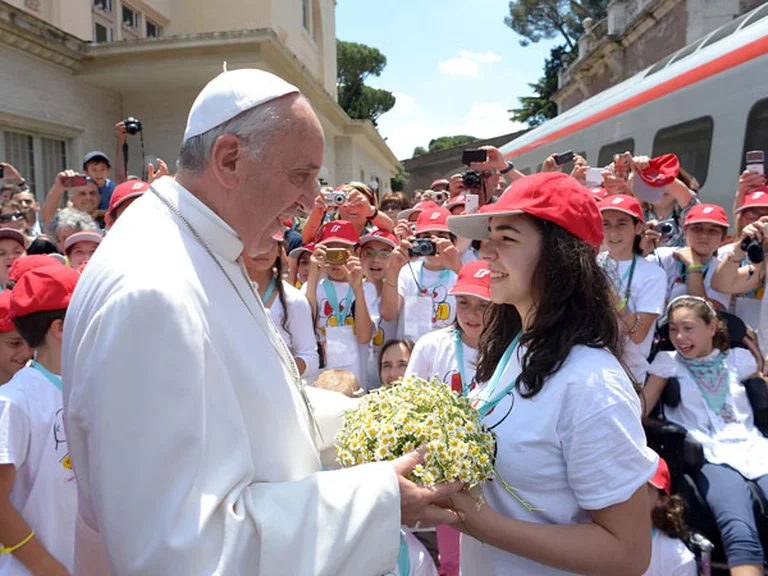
[
  {"x": 336, "y": 198},
  {"x": 472, "y": 179},
  {"x": 754, "y": 250},
  {"x": 665, "y": 228},
  {"x": 132, "y": 125},
  {"x": 422, "y": 247}
]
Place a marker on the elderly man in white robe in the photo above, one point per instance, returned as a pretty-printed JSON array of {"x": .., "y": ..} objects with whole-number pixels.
[{"x": 194, "y": 444}]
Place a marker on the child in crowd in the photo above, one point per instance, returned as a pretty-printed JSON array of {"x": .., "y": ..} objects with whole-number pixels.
[
  {"x": 288, "y": 307},
  {"x": 96, "y": 165},
  {"x": 38, "y": 502},
  {"x": 393, "y": 360},
  {"x": 122, "y": 197},
  {"x": 715, "y": 410},
  {"x": 80, "y": 246},
  {"x": 690, "y": 270},
  {"x": 670, "y": 556},
  {"x": 298, "y": 272},
  {"x": 341, "y": 381},
  {"x": 639, "y": 286},
  {"x": 419, "y": 290},
  {"x": 12, "y": 247},
  {"x": 29, "y": 262},
  {"x": 340, "y": 302},
  {"x": 14, "y": 351},
  {"x": 375, "y": 252}
]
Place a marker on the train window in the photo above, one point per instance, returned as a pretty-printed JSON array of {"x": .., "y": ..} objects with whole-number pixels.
[
  {"x": 756, "y": 136},
  {"x": 724, "y": 31},
  {"x": 607, "y": 152},
  {"x": 660, "y": 64},
  {"x": 691, "y": 141},
  {"x": 758, "y": 14}
]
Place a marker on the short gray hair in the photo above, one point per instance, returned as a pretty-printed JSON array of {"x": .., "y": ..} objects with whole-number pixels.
[
  {"x": 255, "y": 127},
  {"x": 73, "y": 219}
]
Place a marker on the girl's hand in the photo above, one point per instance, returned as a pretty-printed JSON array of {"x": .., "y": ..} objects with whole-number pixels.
[
  {"x": 317, "y": 258},
  {"x": 447, "y": 253},
  {"x": 359, "y": 203},
  {"x": 354, "y": 272}
]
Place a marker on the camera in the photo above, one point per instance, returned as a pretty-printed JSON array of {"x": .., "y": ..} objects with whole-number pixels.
[
  {"x": 564, "y": 158},
  {"x": 472, "y": 179},
  {"x": 753, "y": 249},
  {"x": 422, "y": 247},
  {"x": 666, "y": 228},
  {"x": 132, "y": 125},
  {"x": 335, "y": 198},
  {"x": 336, "y": 256},
  {"x": 438, "y": 197}
]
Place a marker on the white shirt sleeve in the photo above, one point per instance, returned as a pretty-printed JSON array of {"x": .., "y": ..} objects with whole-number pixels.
[
  {"x": 745, "y": 362},
  {"x": 15, "y": 431},
  {"x": 423, "y": 353},
  {"x": 406, "y": 285},
  {"x": 664, "y": 365},
  {"x": 302, "y": 331}
]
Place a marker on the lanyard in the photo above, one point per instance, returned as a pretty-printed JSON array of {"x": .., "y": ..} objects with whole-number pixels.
[
  {"x": 459, "y": 347},
  {"x": 681, "y": 271},
  {"x": 333, "y": 300},
  {"x": 270, "y": 289},
  {"x": 54, "y": 379},
  {"x": 424, "y": 289},
  {"x": 403, "y": 558},
  {"x": 493, "y": 400}
]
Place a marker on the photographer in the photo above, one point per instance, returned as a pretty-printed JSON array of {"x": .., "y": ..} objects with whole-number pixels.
[
  {"x": 489, "y": 174},
  {"x": 357, "y": 205},
  {"x": 84, "y": 196}
]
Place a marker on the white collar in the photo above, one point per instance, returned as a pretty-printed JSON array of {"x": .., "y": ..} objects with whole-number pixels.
[{"x": 215, "y": 232}]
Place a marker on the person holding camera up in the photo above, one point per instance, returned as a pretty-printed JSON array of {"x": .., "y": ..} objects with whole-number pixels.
[
  {"x": 355, "y": 203},
  {"x": 421, "y": 288},
  {"x": 83, "y": 195}
]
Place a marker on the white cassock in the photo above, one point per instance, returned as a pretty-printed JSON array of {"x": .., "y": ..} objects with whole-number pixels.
[{"x": 191, "y": 443}]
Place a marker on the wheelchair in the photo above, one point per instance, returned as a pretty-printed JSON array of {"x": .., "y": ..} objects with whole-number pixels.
[{"x": 685, "y": 456}]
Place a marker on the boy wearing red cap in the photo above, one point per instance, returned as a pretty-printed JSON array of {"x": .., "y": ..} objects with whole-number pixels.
[
  {"x": 423, "y": 286},
  {"x": 122, "y": 197},
  {"x": 690, "y": 270},
  {"x": 12, "y": 247},
  {"x": 14, "y": 351},
  {"x": 38, "y": 502},
  {"x": 341, "y": 301}
]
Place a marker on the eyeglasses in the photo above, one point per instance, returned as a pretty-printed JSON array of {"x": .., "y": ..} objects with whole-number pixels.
[
  {"x": 388, "y": 207},
  {"x": 371, "y": 253},
  {"x": 11, "y": 217}
]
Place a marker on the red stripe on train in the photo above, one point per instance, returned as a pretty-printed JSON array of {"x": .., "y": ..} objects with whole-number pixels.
[{"x": 725, "y": 62}]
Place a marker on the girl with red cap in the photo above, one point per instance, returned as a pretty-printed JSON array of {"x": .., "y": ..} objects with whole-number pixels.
[
  {"x": 14, "y": 351},
  {"x": 639, "y": 286},
  {"x": 716, "y": 412},
  {"x": 554, "y": 393}
]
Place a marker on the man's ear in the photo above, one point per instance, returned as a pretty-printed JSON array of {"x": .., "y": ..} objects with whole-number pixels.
[{"x": 226, "y": 160}]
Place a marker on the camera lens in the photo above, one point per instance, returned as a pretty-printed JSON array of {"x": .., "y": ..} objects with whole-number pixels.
[{"x": 754, "y": 250}]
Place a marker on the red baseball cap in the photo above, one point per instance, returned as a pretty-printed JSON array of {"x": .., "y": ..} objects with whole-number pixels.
[
  {"x": 124, "y": 192},
  {"x": 439, "y": 182},
  {"x": 707, "y": 213},
  {"x": 661, "y": 171},
  {"x": 6, "y": 324},
  {"x": 433, "y": 220},
  {"x": 758, "y": 198},
  {"x": 24, "y": 264},
  {"x": 551, "y": 196},
  {"x": 339, "y": 231},
  {"x": 43, "y": 289},
  {"x": 418, "y": 207},
  {"x": 460, "y": 200},
  {"x": 380, "y": 236},
  {"x": 84, "y": 236},
  {"x": 474, "y": 280},
  {"x": 599, "y": 192},
  {"x": 14, "y": 234},
  {"x": 623, "y": 203},
  {"x": 662, "y": 480},
  {"x": 296, "y": 252}
]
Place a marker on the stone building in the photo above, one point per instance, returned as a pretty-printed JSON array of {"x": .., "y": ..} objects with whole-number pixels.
[{"x": 72, "y": 69}]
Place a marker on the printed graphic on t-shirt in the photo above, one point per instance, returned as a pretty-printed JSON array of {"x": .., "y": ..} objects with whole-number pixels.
[
  {"x": 441, "y": 309},
  {"x": 60, "y": 440},
  {"x": 453, "y": 379},
  {"x": 328, "y": 318}
]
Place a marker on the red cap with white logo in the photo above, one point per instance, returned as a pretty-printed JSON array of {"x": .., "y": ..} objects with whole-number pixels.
[
  {"x": 296, "y": 252},
  {"x": 756, "y": 199},
  {"x": 418, "y": 207},
  {"x": 434, "y": 220},
  {"x": 460, "y": 200},
  {"x": 474, "y": 280},
  {"x": 380, "y": 236},
  {"x": 707, "y": 214},
  {"x": 623, "y": 203},
  {"x": 126, "y": 191},
  {"x": 339, "y": 231}
]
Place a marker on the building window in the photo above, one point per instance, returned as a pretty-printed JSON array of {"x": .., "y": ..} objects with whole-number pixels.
[
  {"x": 53, "y": 159},
  {"x": 38, "y": 159},
  {"x": 605, "y": 156},
  {"x": 20, "y": 153},
  {"x": 691, "y": 141},
  {"x": 102, "y": 32},
  {"x": 756, "y": 135},
  {"x": 306, "y": 15},
  {"x": 130, "y": 18},
  {"x": 153, "y": 30},
  {"x": 102, "y": 5}
]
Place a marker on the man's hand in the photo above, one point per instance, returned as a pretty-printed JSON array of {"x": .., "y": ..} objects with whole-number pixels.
[
  {"x": 748, "y": 181},
  {"x": 354, "y": 272},
  {"x": 550, "y": 164},
  {"x": 456, "y": 185},
  {"x": 161, "y": 171},
  {"x": 120, "y": 132},
  {"x": 10, "y": 173},
  {"x": 60, "y": 183},
  {"x": 579, "y": 173},
  {"x": 420, "y": 503},
  {"x": 494, "y": 161}
]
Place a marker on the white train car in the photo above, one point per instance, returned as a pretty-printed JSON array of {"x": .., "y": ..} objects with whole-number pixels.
[{"x": 707, "y": 102}]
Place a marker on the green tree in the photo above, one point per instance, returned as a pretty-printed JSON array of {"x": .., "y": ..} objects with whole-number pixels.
[
  {"x": 420, "y": 151},
  {"x": 539, "y": 107},
  {"x": 537, "y": 19},
  {"x": 445, "y": 142},
  {"x": 400, "y": 181},
  {"x": 355, "y": 64}
]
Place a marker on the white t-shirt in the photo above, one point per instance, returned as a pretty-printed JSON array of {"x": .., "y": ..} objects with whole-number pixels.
[
  {"x": 728, "y": 437},
  {"x": 646, "y": 295},
  {"x": 577, "y": 445},
  {"x": 435, "y": 355},
  {"x": 433, "y": 284},
  {"x": 670, "y": 557},
  {"x": 676, "y": 286},
  {"x": 384, "y": 330},
  {"x": 300, "y": 335},
  {"x": 749, "y": 307},
  {"x": 420, "y": 561},
  {"x": 32, "y": 439}
]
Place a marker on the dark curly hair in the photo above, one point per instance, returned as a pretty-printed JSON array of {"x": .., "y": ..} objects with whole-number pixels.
[
  {"x": 669, "y": 516},
  {"x": 573, "y": 305},
  {"x": 721, "y": 339}
]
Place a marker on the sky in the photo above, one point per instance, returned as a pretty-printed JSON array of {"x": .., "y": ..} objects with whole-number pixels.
[{"x": 453, "y": 65}]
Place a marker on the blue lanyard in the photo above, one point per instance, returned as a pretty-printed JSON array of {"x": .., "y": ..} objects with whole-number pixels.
[
  {"x": 403, "y": 558},
  {"x": 52, "y": 378},
  {"x": 270, "y": 289},
  {"x": 423, "y": 289},
  {"x": 684, "y": 274},
  {"x": 459, "y": 347},
  {"x": 493, "y": 400},
  {"x": 333, "y": 300}
]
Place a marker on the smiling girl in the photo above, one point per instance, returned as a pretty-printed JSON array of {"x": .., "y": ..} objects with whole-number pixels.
[
  {"x": 715, "y": 410},
  {"x": 639, "y": 286},
  {"x": 570, "y": 447}
]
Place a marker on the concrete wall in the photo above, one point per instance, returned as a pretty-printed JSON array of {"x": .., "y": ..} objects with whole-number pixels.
[
  {"x": 71, "y": 16},
  {"x": 665, "y": 36}
]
